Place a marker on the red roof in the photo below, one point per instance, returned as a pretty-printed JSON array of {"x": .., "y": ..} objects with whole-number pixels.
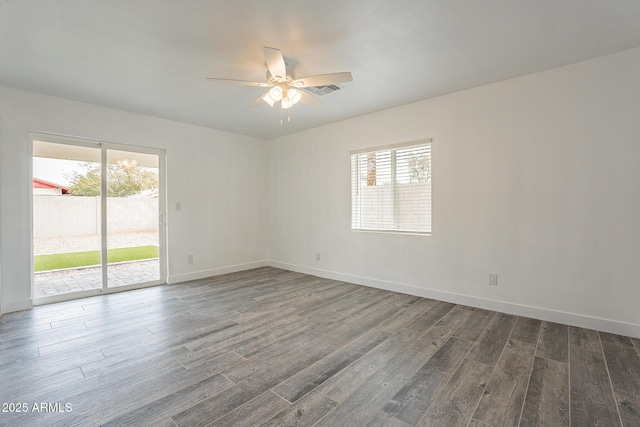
[{"x": 41, "y": 183}]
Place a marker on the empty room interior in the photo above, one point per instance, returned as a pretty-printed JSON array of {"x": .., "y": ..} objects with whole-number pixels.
[{"x": 337, "y": 213}]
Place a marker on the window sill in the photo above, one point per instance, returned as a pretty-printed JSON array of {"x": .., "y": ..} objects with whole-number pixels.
[{"x": 405, "y": 233}]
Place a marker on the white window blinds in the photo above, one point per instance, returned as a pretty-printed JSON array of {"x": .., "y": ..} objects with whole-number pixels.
[{"x": 391, "y": 189}]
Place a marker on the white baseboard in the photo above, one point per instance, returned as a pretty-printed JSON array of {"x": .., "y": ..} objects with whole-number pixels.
[
  {"x": 11, "y": 306},
  {"x": 203, "y": 274},
  {"x": 566, "y": 318}
]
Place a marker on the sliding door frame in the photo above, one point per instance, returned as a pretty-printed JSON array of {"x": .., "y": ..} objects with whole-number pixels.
[{"x": 104, "y": 147}]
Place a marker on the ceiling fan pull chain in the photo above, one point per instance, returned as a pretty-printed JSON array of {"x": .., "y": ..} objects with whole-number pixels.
[{"x": 280, "y": 116}]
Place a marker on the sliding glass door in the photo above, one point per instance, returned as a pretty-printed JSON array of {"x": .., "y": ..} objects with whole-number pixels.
[
  {"x": 67, "y": 237},
  {"x": 97, "y": 218},
  {"x": 133, "y": 218}
]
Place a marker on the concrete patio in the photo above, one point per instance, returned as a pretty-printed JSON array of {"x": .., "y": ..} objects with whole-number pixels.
[{"x": 50, "y": 283}]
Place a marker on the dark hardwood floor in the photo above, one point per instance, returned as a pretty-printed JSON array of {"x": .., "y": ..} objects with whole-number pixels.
[{"x": 272, "y": 347}]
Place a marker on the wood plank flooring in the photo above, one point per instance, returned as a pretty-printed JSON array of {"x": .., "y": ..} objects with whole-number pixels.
[{"x": 269, "y": 347}]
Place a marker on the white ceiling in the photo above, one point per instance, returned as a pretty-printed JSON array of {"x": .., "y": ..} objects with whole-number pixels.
[{"x": 152, "y": 56}]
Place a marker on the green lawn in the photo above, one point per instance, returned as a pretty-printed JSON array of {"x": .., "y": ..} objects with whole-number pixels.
[{"x": 83, "y": 259}]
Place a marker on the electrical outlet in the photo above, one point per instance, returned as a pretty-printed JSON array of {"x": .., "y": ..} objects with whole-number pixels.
[
  {"x": 493, "y": 279},
  {"x": 189, "y": 259},
  {"x": 178, "y": 206},
  {"x": 317, "y": 256}
]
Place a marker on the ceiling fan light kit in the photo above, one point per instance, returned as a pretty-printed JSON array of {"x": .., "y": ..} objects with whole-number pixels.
[
  {"x": 282, "y": 87},
  {"x": 294, "y": 95},
  {"x": 276, "y": 93},
  {"x": 268, "y": 99},
  {"x": 286, "y": 103}
]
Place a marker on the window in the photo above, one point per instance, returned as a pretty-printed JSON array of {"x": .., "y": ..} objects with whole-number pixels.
[{"x": 391, "y": 189}]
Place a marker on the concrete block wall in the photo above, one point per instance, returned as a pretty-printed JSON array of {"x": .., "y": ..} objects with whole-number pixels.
[{"x": 71, "y": 215}]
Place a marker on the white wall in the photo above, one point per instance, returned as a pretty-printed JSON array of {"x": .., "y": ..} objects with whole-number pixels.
[
  {"x": 217, "y": 176},
  {"x": 536, "y": 179}
]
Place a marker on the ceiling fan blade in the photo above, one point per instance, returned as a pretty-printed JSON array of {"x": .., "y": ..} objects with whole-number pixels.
[
  {"x": 323, "y": 80},
  {"x": 275, "y": 63},
  {"x": 260, "y": 101},
  {"x": 238, "y": 82},
  {"x": 310, "y": 99}
]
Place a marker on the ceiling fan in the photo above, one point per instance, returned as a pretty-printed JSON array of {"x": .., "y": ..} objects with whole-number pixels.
[{"x": 284, "y": 88}]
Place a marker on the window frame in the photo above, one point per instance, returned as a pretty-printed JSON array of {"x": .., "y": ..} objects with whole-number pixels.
[{"x": 393, "y": 148}]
